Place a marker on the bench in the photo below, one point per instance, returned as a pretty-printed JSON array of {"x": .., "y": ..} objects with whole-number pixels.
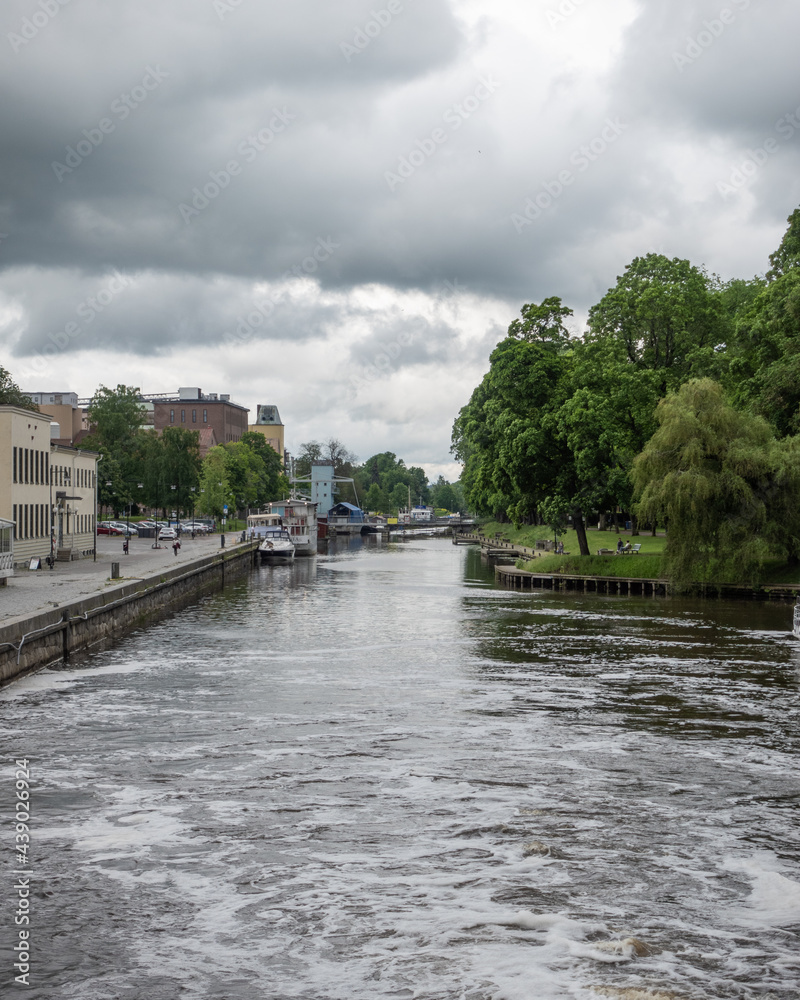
[
  {"x": 606, "y": 552},
  {"x": 633, "y": 550}
]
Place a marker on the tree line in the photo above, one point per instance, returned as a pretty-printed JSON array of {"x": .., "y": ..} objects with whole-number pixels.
[
  {"x": 139, "y": 467},
  {"x": 680, "y": 404}
]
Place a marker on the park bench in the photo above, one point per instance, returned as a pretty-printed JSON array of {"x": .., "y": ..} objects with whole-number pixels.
[
  {"x": 633, "y": 550},
  {"x": 606, "y": 552}
]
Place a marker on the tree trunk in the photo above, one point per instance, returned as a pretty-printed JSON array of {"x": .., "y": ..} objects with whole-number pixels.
[
  {"x": 634, "y": 524},
  {"x": 580, "y": 531},
  {"x": 601, "y": 526}
]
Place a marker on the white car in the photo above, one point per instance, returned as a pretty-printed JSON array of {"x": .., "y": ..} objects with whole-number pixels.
[{"x": 167, "y": 535}]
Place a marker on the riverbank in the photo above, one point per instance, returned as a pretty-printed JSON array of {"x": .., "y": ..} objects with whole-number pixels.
[{"x": 49, "y": 615}]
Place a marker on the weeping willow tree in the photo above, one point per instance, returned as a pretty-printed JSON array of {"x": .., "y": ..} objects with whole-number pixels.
[{"x": 727, "y": 489}]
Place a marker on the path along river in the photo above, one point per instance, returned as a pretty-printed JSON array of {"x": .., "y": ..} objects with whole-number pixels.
[{"x": 373, "y": 774}]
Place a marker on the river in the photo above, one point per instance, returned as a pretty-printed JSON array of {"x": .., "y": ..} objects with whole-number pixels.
[{"x": 374, "y": 774}]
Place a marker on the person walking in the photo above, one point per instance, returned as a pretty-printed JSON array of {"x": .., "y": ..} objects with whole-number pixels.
[
  {"x": 175, "y": 546},
  {"x": 125, "y": 546}
]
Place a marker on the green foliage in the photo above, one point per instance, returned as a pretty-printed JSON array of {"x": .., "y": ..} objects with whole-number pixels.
[
  {"x": 787, "y": 256},
  {"x": 722, "y": 483},
  {"x": 666, "y": 315},
  {"x": 12, "y": 395}
]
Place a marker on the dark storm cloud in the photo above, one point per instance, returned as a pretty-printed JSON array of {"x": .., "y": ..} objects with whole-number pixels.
[
  {"x": 151, "y": 313},
  {"x": 198, "y": 148}
]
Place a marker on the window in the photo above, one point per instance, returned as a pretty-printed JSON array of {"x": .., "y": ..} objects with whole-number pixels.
[
  {"x": 205, "y": 416},
  {"x": 194, "y": 416},
  {"x": 172, "y": 416},
  {"x": 183, "y": 416},
  {"x": 14, "y": 463}
]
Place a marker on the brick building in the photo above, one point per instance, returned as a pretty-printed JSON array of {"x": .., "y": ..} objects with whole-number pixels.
[{"x": 194, "y": 410}]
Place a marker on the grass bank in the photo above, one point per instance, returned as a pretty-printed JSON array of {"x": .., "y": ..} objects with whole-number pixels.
[{"x": 646, "y": 565}]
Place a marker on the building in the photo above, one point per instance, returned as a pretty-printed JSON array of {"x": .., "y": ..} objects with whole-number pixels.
[
  {"x": 66, "y": 411},
  {"x": 194, "y": 410},
  {"x": 73, "y": 480},
  {"x": 323, "y": 486},
  {"x": 268, "y": 423},
  {"x": 47, "y": 490}
]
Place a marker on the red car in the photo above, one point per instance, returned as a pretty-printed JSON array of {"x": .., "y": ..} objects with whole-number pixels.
[{"x": 108, "y": 529}]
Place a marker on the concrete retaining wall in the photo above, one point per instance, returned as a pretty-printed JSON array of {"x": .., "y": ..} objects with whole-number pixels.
[{"x": 52, "y": 636}]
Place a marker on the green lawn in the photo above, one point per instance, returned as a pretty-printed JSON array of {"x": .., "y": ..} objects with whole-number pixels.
[{"x": 645, "y": 565}]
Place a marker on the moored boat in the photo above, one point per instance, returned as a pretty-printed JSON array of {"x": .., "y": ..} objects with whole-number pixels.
[
  {"x": 275, "y": 543},
  {"x": 299, "y": 517}
]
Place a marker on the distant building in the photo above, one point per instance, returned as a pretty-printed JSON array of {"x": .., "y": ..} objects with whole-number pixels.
[
  {"x": 194, "y": 410},
  {"x": 322, "y": 486},
  {"x": 268, "y": 423},
  {"x": 65, "y": 412}
]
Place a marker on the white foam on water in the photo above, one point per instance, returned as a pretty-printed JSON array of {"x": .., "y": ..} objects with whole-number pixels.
[{"x": 774, "y": 899}]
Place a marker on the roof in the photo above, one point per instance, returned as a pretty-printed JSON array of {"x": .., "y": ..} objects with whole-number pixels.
[{"x": 348, "y": 506}]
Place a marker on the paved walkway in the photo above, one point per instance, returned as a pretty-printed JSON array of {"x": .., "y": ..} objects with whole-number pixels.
[{"x": 33, "y": 590}]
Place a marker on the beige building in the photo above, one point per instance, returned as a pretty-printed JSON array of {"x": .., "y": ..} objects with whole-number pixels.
[
  {"x": 45, "y": 487},
  {"x": 268, "y": 423},
  {"x": 65, "y": 411},
  {"x": 73, "y": 481}
]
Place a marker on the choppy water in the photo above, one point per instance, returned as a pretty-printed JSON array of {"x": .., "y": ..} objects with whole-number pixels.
[{"x": 375, "y": 775}]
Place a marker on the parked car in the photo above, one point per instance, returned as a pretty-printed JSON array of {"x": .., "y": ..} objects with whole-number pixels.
[
  {"x": 125, "y": 528},
  {"x": 108, "y": 528},
  {"x": 167, "y": 535},
  {"x": 195, "y": 526}
]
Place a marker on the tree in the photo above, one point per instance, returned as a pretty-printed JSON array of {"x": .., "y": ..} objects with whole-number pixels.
[
  {"x": 727, "y": 489},
  {"x": 215, "y": 491},
  {"x": 272, "y": 481},
  {"x": 544, "y": 322},
  {"x": 12, "y": 395},
  {"x": 787, "y": 256},
  {"x": 666, "y": 314}
]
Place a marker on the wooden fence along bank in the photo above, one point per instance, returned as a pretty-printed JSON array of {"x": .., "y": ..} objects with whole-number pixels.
[{"x": 52, "y": 636}]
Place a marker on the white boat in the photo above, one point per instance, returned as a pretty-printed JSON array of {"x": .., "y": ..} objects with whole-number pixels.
[
  {"x": 275, "y": 543},
  {"x": 299, "y": 517}
]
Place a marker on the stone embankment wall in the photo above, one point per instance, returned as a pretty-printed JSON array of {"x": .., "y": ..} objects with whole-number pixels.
[{"x": 50, "y": 637}]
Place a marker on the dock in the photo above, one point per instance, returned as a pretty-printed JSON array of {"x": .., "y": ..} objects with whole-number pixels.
[{"x": 523, "y": 579}]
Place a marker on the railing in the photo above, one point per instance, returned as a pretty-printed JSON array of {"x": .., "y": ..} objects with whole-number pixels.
[{"x": 6, "y": 560}]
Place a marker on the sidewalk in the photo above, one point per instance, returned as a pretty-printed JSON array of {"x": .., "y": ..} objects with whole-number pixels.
[{"x": 33, "y": 590}]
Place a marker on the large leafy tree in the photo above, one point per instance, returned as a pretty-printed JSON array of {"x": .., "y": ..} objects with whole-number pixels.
[
  {"x": 116, "y": 418},
  {"x": 12, "y": 395},
  {"x": 766, "y": 362},
  {"x": 667, "y": 315},
  {"x": 728, "y": 490}
]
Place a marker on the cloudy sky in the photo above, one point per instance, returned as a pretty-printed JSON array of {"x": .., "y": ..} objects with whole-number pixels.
[{"x": 339, "y": 207}]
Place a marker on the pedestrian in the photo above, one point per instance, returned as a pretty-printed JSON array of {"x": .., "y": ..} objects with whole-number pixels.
[
  {"x": 125, "y": 546},
  {"x": 175, "y": 546},
  {"x": 620, "y": 545}
]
